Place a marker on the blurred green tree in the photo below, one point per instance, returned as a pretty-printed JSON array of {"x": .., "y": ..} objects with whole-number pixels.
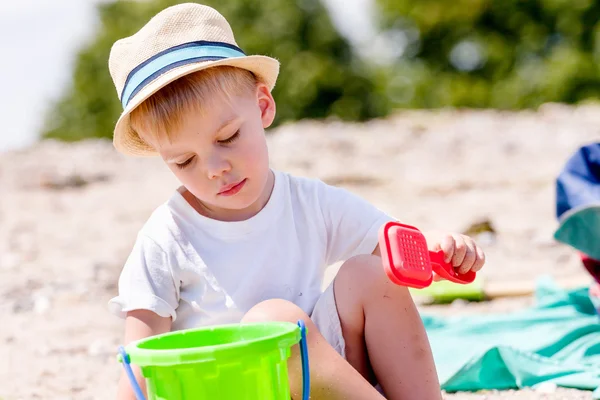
[
  {"x": 492, "y": 53},
  {"x": 320, "y": 76}
]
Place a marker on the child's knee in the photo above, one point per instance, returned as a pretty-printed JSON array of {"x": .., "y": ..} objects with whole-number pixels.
[
  {"x": 275, "y": 310},
  {"x": 362, "y": 283},
  {"x": 364, "y": 271}
]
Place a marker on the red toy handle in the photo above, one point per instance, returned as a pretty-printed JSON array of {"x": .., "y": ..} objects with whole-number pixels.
[{"x": 447, "y": 271}]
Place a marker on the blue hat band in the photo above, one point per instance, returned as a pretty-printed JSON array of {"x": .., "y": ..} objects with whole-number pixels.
[{"x": 174, "y": 57}]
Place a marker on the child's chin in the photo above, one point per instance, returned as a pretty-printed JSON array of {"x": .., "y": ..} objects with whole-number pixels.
[{"x": 239, "y": 202}]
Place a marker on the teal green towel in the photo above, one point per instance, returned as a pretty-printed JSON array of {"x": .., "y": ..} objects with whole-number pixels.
[{"x": 556, "y": 341}]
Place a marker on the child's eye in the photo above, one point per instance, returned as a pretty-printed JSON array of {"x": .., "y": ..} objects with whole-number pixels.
[
  {"x": 185, "y": 163},
  {"x": 230, "y": 139}
]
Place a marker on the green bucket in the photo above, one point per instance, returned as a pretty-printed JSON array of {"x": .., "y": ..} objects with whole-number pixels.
[{"x": 241, "y": 361}]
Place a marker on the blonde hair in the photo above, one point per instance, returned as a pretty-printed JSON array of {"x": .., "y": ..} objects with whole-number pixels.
[{"x": 163, "y": 112}]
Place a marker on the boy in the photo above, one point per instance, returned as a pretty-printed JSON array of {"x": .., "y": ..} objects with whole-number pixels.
[{"x": 239, "y": 242}]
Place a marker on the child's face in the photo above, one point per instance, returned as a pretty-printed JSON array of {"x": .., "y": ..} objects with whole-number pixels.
[{"x": 221, "y": 155}]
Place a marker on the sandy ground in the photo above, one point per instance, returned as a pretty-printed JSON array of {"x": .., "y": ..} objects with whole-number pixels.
[{"x": 69, "y": 215}]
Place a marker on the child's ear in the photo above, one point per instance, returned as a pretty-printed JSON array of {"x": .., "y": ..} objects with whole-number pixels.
[{"x": 266, "y": 103}]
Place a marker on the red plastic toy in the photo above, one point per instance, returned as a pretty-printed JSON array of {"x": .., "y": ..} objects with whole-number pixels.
[{"x": 408, "y": 262}]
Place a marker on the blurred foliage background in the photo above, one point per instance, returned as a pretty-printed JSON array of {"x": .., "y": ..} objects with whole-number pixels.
[{"x": 507, "y": 54}]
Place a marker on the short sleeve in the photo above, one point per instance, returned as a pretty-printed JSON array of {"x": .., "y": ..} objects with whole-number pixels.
[
  {"x": 352, "y": 223},
  {"x": 146, "y": 282}
]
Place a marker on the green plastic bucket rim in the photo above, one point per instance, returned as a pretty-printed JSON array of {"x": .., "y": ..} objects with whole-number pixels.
[
  {"x": 139, "y": 395},
  {"x": 286, "y": 334}
]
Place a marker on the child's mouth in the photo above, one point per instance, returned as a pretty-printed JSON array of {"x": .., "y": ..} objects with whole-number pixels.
[{"x": 231, "y": 190}]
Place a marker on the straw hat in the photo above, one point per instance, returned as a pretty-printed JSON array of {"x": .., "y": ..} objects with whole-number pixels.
[{"x": 178, "y": 41}]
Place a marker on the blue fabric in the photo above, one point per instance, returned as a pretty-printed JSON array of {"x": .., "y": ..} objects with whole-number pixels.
[
  {"x": 578, "y": 184},
  {"x": 173, "y": 58}
]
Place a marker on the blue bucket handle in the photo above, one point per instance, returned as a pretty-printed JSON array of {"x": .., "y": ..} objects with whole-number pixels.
[
  {"x": 305, "y": 366},
  {"x": 139, "y": 395},
  {"x": 137, "y": 390}
]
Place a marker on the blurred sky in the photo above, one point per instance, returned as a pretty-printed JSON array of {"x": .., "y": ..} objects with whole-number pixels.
[{"x": 39, "y": 39}]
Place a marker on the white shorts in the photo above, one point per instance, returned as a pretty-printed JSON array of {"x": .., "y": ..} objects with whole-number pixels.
[{"x": 325, "y": 317}]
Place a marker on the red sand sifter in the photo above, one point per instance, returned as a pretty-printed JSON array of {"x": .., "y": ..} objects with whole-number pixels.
[{"x": 408, "y": 262}]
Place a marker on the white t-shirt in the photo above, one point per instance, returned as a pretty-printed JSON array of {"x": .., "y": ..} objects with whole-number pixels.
[{"x": 202, "y": 271}]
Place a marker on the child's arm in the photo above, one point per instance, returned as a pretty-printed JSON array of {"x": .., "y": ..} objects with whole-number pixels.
[{"x": 140, "y": 324}]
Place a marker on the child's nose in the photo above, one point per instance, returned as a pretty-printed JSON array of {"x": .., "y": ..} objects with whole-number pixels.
[{"x": 217, "y": 166}]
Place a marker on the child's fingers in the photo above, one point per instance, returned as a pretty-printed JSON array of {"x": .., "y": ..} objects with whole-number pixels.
[
  {"x": 447, "y": 245},
  {"x": 460, "y": 250},
  {"x": 470, "y": 256},
  {"x": 478, "y": 264}
]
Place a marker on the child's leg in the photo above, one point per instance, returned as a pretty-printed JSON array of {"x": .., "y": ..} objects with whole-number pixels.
[
  {"x": 331, "y": 376},
  {"x": 384, "y": 332}
]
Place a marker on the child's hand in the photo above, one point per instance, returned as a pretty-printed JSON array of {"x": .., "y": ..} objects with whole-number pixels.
[{"x": 459, "y": 250}]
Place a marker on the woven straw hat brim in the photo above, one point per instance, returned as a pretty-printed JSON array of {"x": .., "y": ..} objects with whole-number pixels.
[{"x": 128, "y": 142}]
